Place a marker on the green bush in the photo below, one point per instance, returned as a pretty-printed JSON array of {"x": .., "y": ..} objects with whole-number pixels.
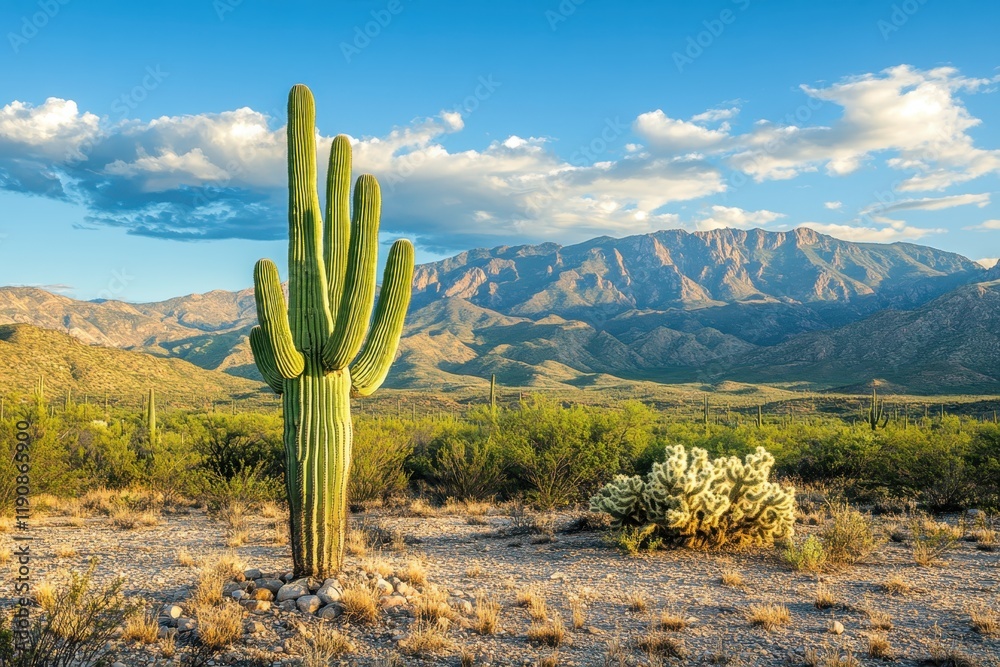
[
  {"x": 379, "y": 451},
  {"x": 809, "y": 556}
]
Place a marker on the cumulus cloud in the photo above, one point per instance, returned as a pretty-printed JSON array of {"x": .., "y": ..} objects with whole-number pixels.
[
  {"x": 731, "y": 216},
  {"x": 833, "y": 205},
  {"x": 897, "y": 231},
  {"x": 985, "y": 226},
  {"x": 222, "y": 175},
  {"x": 913, "y": 116}
]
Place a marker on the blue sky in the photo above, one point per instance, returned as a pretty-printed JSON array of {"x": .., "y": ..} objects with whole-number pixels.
[{"x": 141, "y": 144}]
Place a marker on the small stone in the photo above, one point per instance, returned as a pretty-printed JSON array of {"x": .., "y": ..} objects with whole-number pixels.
[
  {"x": 287, "y": 576},
  {"x": 118, "y": 664},
  {"x": 292, "y": 591},
  {"x": 308, "y": 604},
  {"x": 558, "y": 575},
  {"x": 254, "y": 627},
  {"x": 173, "y": 611},
  {"x": 835, "y": 627},
  {"x": 594, "y": 630},
  {"x": 403, "y": 588},
  {"x": 273, "y": 585},
  {"x": 331, "y": 611},
  {"x": 287, "y": 605},
  {"x": 163, "y": 632},
  {"x": 384, "y": 587},
  {"x": 390, "y": 601},
  {"x": 239, "y": 595},
  {"x": 259, "y": 606},
  {"x": 330, "y": 592},
  {"x": 252, "y": 573},
  {"x": 460, "y": 605},
  {"x": 261, "y": 594},
  {"x": 185, "y": 624}
]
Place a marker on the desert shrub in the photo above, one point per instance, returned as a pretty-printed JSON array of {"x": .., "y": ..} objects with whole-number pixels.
[
  {"x": 468, "y": 467},
  {"x": 849, "y": 536},
  {"x": 697, "y": 502},
  {"x": 809, "y": 556},
  {"x": 75, "y": 625},
  {"x": 379, "y": 451},
  {"x": 560, "y": 455}
]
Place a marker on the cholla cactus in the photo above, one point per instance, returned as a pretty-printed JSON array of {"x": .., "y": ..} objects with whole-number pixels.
[{"x": 695, "y": 502}]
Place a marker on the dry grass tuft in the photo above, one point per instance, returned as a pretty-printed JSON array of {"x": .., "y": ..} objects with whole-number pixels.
[
  {"x": 219, "y": 626},
  {"x": 579, "y": 613},
  {"x": 428, "y": 637},
  {"x": 985, "y": 621},
  {"x": 487, "y": 615},
  {"x": 637, "y": 601},
  {"x": 378, "y": 566},
  {"x": 433, "y": 606},
  {"x": 270, "y": 510},
  {"x": 879, "y": 646},
  {"x": 673, "y": 621},
  {"x": 824, "y": 598},
  {"x": 141, "y": 628},
  {"x": 849, "y": 537},
  {"x": 279, "y": 533},
  {"x": 415, "y": 573},
  {"x": 897, "y": 585},
  {"x": 357, "y": 544},
  {"x": 360, "y": 603},
  {"x": 66, "y": 552},
  {"x": 815, "y": 658},
  {"x": 421, "y": 508},
  {"x": 4, "y": 556},
  {"x": 661, "y": 645},
  {"x": 770, "y": 616},
  {"x": 548, "y": 661},
  {"x": 732, "y": 578},
  {"x": 474, "y": 571},
  {"x": 184, "y": 558},
  {"x": 323, "y": 647},
  {"x": 534, "y": 602},
  {"x": 550, "y": 633},
  {"x": 6, "y": 524},
  {"x": 878, "y": 620}
]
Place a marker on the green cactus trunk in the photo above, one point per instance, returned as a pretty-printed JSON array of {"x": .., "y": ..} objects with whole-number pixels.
[
  {"x": 325, "y": 345},
  {"x": 318, "y": 437},
  {"x": 151, "y": 417}
]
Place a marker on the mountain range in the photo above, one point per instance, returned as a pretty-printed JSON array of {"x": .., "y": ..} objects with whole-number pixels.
[{"x": 797, "y": 308}]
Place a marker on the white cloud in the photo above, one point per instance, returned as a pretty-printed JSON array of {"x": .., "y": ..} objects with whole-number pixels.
[
  {"x": 914, "y": 115},
  {"x": 731, "y": 216},
  {"x": 929, "y": 203},
  {"x": 986, "y": 226},
  {"x": 888, "y": 234},
  {"x": 222, "y": 175},
  {"x": 833, "y": 205},
  {"x": 677, "y": 136}
]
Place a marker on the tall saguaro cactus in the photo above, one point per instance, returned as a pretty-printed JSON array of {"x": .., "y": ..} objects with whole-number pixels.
[
  {"x": 876, "y": 412},
  {"x": 151, "y": 416},
  {"x": 325, "y": 345}
]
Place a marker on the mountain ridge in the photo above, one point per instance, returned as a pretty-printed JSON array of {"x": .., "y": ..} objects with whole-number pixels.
[{"x": 665, "y": 306}]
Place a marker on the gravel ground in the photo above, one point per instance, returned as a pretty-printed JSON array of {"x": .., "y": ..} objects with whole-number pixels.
[{"x": 469, "y": 557}]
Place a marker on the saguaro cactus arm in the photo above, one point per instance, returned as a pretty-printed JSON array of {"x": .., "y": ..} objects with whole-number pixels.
[
  {"x": 370, "y": 368},
  {"x": 355, "y": 308},
  {"x": 273, "y": 316},
  {"x": 263, "y": 356}
]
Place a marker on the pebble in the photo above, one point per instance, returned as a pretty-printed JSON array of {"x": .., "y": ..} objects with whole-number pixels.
[
  {"x": 185, "y": 624},
  {"x": 173, "y": 611},
  {"x": 331, "y": 611},
  {"x": 836, "y": 628},
  {"x": 292, "y": 591},
  {"x": 308, "y": 604},
  {"x": 330, "y": 591}
]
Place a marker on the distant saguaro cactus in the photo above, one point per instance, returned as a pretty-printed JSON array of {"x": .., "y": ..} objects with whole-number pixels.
[
  {"x": 493, "y": 392},
  {"x": 325, "y": 345},
  {"x": 876, "y": 412},
  {"x": 151, "y": 416}
]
